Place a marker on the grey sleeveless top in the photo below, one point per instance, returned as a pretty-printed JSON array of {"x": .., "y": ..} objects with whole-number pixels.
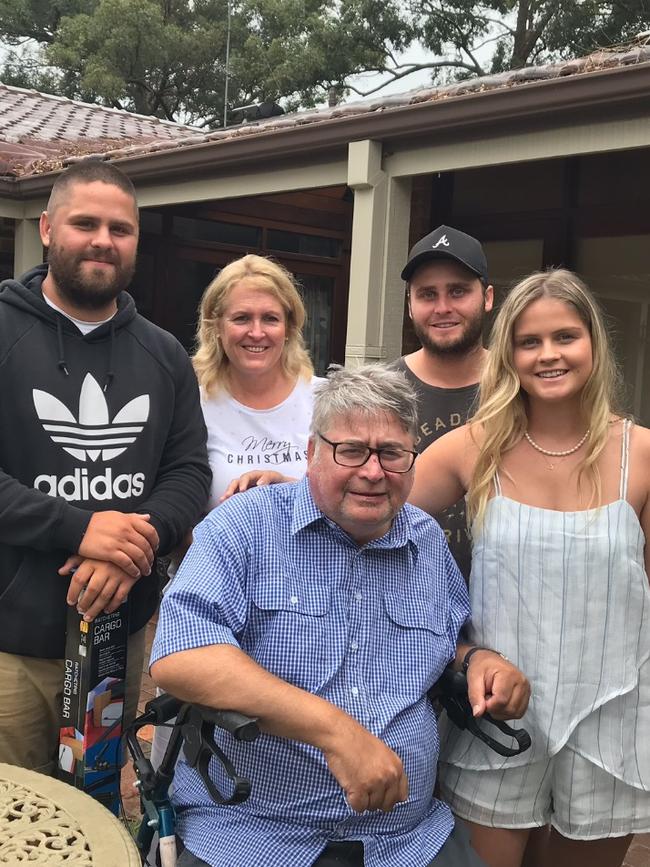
[{"x": 566, "y": 597}]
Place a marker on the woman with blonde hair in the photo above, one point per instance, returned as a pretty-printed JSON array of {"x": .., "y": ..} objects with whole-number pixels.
[
  {"x": 557, "y": 487},
  {"x": 254, "y": 372}
]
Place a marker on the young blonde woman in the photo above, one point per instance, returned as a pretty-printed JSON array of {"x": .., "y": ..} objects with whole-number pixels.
[{"x": 557, "y": 486}]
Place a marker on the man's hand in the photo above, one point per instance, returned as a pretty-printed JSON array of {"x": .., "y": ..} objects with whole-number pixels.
[
  {"x": 127, "y": 540},
  {"x": 253, "y": 479},
  {"x": 369, "y": 772},
  {"x": 494, "y": 684},
  {"x": 97, "y": 586}
]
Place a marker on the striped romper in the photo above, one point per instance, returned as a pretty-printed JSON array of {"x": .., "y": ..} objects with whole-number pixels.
[{"x": 565, "y": 596}]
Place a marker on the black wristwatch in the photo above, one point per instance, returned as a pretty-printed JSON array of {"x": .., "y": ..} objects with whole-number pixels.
[{"x": 466, "y": 659}]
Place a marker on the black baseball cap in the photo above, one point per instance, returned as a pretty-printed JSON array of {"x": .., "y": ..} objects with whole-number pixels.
[{"x": 447, "y": 243}]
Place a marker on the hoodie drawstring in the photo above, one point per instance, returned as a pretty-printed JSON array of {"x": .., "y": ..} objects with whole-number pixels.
[
  {"x": 61, "y": 364},
  {"x": 110, "y": 375}
]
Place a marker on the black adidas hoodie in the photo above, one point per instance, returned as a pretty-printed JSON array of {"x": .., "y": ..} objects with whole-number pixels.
[{"x": 110, "y": 420}]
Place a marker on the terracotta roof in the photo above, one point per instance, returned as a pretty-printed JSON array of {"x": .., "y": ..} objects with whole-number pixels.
[
  {"x": 41, "y": 133},
  {"x": 38, "y": 131}
]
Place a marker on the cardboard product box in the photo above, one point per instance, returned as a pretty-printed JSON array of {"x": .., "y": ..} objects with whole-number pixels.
[{"x": 90, "y": 753}]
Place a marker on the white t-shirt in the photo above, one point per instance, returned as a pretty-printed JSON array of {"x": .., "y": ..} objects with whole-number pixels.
[
  {"x": 242, "y": 439},
  {"x": 82, "y": 325}
]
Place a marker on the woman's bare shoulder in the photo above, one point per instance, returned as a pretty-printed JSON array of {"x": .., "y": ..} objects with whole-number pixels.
[
  {"x": 456, "y": 450},
  {"x": 455, "y": 441},
  {"x": 441, "y": 471},
  {"x": 465, "y": 436}
]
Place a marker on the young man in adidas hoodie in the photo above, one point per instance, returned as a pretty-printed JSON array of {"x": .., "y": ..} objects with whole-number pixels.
[{"x": 102, "y": 452}]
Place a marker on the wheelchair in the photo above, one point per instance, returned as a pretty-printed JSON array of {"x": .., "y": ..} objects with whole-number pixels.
[{"x": 193, "y": 731}]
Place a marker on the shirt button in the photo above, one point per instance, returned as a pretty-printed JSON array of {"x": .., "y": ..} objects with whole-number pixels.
[
  {"x": 358, "y": 596},
  {"x": 354, "y": 690},
  {"x": 354, "y": 645},
  {"x": 294, "y": 600}
]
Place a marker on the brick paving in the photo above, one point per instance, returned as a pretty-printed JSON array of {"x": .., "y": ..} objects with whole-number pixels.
[{"x": 638, "y": 854}]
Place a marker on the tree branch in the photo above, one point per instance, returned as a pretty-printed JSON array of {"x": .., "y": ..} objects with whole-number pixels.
[
  {"x": 413, "y": 67},
  {"x": 462, "y": 42},
  {"x": 497, "y": 22}
]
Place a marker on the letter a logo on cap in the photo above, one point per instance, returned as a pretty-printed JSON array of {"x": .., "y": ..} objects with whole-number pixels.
[{"x": 443, "y": 241}]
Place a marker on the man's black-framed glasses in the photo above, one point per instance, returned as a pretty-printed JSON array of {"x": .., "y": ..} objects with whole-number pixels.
[{"x": 391, "y": 458}]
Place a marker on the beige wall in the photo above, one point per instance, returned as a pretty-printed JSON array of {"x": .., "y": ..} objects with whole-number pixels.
[{"x": 28, "y": 249}]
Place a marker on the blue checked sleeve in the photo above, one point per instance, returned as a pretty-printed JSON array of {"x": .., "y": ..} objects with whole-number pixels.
[{"x": 207, "y": 602}]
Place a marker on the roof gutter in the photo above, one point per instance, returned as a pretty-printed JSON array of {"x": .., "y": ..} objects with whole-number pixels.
[
  {"x": 10, "y": 189},
  {"x": 622, "y": 91}
]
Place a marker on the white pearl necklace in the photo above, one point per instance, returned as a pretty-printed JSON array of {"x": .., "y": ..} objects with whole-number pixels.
[{"x": 553, "y": 454}]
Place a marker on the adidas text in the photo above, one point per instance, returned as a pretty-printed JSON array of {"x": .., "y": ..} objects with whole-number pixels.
[{"x": 79, "y": 486}]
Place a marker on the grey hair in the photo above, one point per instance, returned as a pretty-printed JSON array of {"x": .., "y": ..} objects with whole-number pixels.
[{"x": 368, "y": 390}]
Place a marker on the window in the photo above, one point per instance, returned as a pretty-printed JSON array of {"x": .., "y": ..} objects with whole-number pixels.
[
  {"x": 317, "y": 293},
  {"x": 307, "y": 245},
  {"x": 151, "y": 222},
  {"x": 215, "y": 231}
]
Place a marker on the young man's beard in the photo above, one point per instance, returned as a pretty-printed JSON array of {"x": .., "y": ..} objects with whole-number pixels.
[
  {"x": 90, "y": 292},
  {"x": 471, "y": 337}
]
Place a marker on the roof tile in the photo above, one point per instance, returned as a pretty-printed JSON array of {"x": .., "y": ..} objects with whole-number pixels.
[{"x": 38, "y": 127}]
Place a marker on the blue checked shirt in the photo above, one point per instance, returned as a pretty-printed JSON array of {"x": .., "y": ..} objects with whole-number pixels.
[{"x": 369, "y": 629}]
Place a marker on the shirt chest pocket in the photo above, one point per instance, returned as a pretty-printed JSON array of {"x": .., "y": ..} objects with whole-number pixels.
[
  {"x": 274, "y": 595},
  {"x": 288, "y": 630},
  {"x": 417, "y": 639}
]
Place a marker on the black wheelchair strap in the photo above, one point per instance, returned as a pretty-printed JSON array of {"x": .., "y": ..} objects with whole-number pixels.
[{"x": 451, "y": 692}]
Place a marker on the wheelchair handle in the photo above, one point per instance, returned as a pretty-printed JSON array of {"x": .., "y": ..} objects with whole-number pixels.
[
  {"x": 241, "y": 727},
  {"x": 200, "y": 747},
  {"x": 160, "y": 710},
  {"x": 195, "y": 725}
]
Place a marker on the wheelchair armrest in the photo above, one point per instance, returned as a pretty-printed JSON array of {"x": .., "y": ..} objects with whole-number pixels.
[
  {"x": 241, "y": 727},
  {"x": 451, "y": 692},
  {"x": 165, "y": 707}
]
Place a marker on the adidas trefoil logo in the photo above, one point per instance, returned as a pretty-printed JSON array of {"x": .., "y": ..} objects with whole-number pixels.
[
  {"x": 442, "y": 240},
  {"x": 93, "y": 433}
]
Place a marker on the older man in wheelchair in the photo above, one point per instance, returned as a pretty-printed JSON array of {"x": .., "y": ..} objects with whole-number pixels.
[{"x": 326, "y": 611}]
